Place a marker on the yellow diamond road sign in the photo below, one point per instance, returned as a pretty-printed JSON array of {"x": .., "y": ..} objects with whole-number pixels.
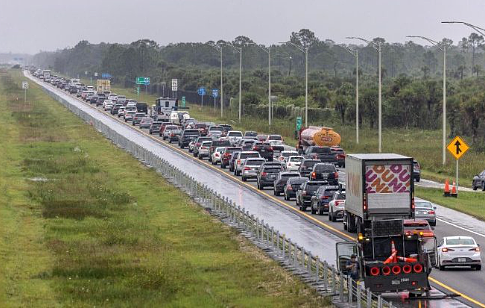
[{"x": 457, "y": 147}]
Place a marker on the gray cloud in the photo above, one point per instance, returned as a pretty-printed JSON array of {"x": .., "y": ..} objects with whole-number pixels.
[{"x": 33, "y": 25}]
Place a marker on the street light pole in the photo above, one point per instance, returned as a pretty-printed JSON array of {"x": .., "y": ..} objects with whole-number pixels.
[
  {"x": 239, "y": 50},
  {"x": 377, "y": 47},
  {"x": 222, "y": 92},
  {"x": 305, "y": 51},
  {"x": 355, "y": 53},
  {"x": 442, "y": 48}
]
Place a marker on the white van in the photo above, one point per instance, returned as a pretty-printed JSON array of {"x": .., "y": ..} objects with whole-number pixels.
[{"x": 176, "y": 117}]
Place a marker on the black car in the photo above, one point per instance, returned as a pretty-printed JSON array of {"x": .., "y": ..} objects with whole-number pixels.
[
  {"x": 292, "y": 186},
  {"x": 281, "y": 180},
  {"x": 94, "y": 99},
  {"x": 305, "y": 193},
  {"x": 267, "y": 175},
  {"x": 479, "y": 181},
  {"x": 339, "y": 155},
  {"x": 155, "y": 127},
  {"x": 326, "y": 172},
  {"x": 306, "y": 167},
  {"x": 250, "y": 134},
  {"x": 264, "y": 149},
  {"x": 225, "y": 128},
  {"x": 324, "y": 154},
  {"x": 319, "y": 202},
  {"x": 416, "y": 171},
  {"x": 187, "y": 136}
]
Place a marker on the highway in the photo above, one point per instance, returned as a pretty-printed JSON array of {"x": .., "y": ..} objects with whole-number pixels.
[{"x": 315, "y": 233}]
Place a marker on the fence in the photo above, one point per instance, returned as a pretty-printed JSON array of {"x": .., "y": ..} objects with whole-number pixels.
[{"x": 325, "y": 278}]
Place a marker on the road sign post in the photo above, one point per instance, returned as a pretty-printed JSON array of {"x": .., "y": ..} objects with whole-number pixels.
[
  {"x": 215, "y": 94},
  {"x": 201, "y": 92},
  {"x": 457, "y": 148},
  {"x": 175, "y": 86},
  {"x": 25, "y": 86}
]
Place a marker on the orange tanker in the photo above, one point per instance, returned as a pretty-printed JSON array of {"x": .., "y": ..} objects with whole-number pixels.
[{"x": 317, "y": 136}]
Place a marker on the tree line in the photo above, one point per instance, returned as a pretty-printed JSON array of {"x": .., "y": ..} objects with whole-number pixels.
[{"x": 412, "y": 75}]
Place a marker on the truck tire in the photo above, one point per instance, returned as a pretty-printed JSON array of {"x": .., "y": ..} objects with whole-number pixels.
[
  {"x": 313, "y": 210},
  {"x": 351, "y": 227},
  {"x": 320, "y": 210}
]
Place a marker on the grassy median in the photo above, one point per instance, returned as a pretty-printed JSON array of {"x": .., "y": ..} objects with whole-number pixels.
[{"x": 82, "y": 223}]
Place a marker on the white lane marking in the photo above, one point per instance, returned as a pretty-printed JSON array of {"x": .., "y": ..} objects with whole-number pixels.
[{"x": 460, "y": 227}]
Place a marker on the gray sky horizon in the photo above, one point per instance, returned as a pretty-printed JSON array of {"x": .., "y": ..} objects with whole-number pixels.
[{"x": 29, "y": 26}]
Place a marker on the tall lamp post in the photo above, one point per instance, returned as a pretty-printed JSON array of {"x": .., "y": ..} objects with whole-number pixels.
[
  {"x": 219, "y": 48},
  {"x": 239, "y": 50},
  {"x": 268, "y": 51},
  {"x": 377, "y": 47},
  {"x": 305, "y": 51},
  {"x": 355, "y": 53},
  {"x": 442, "y": 48}
]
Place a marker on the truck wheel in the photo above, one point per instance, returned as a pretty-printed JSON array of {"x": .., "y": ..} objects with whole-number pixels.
[
  {"x": 483, "y": 186},
  {"x": 320, "y": 211}
]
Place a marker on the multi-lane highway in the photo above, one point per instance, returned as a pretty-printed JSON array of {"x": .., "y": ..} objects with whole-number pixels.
[{"x": 314, "y": 232}]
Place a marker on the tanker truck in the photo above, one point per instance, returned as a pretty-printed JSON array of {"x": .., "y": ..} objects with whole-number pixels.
[{"x": 317, "y": 136}]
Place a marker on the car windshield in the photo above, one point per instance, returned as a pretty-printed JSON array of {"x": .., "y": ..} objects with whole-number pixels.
[
  {"x": 310, "y": 163},
  {"x": 212, "y": 129},
  {"x": 272, "y": 169},
  {"x": 251, "y": 134},
  {"x": 329, "y": 192},
  {"x": 296, "y": 159},
  {"x": 325, "y": 168},
  {"x": 424, "y": 204},
  {"x": 289, "y": 175},
  {"x": 191, "y": 132},
  {"x": 340, "y": 196},
  {"x": 232, "y": 150},
  {"x": 312, "y": 186},
  {"x": 248, "y": 155},
  {"x": 234, "y": 134},
  {"x": 287, "y": 154},
  {"x": 321, "y": 150},
  {"x": 255, "y": 162},
  {"x": 274, "y": 137},
  {"x": 460, "y": 241},
  {"x": 206, "y": 143}
]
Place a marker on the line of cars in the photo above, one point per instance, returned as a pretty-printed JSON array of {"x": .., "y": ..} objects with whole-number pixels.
[{"x": 309, "y": 177}]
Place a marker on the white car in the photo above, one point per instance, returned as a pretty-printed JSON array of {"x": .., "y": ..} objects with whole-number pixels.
[
  {"x": 293, "y": 163},
  {"x": 121, "y": 112},
  {"x": 204, "y": 149},
  {"x": 107, "y": 105},
  {"x": 241, "y": 158},
  {"x": 234, "y": 135},
  {"x": 336, "y": 206},
  {"x": 458, "y": 251},
  {"x": 285, "y": 155},
  {"x": 216, "y": 156}
]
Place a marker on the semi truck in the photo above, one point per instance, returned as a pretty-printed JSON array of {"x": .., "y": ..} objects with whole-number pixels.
[
  {"x": 103, "y": 85},
  {"x": 379, "y": 198},
  {"x": 317, "y": 136},
  {"x": 164, "y": 106},
  {"x": 46, "y": 75}
]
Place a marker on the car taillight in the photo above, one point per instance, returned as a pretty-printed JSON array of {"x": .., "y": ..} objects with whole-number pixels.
[
  {"x": 314, "y": 175},
  {"x": 172, "y": 135},
  {"x": 255, "y": 149},
  {"x": 289, "y": 187},
  {"x": 324, "y": 197},
  {"x": 238, "y": 161},
  {"x": 446, "y": 249},
  {"x": 431, "y": 212},
  {"x": 270, "y": 149},
  {"x": 374, "y": 271},
  {"x": 336, "y": 175},
  {"x": 406, "y": 269},
  {"x": 303, "y": 193},
  {"x": 247, "y": 168},
  {"x": 264, "y": 174},
  {"x": 337, "y": 202},
  {"x": 477, "y": 249}
]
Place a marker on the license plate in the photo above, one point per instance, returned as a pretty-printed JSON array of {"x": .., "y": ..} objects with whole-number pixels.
[
  {"x": 396, "y": 281},
  {"x": 462, "y": 260}
]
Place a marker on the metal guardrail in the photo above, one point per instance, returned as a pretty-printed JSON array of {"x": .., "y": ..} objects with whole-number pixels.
[{"x": 324, "y": 277}]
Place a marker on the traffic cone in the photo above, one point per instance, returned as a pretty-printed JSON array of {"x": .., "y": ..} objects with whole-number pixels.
[
  {"x": 447, "y": 188},
  {"x": 453, "y": 191}
]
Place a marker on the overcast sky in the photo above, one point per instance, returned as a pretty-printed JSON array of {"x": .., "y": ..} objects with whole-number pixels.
[{"x": 34, "y": 25}]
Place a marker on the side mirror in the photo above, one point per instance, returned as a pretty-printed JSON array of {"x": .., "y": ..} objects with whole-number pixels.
[{"x": 434, "y": 207}]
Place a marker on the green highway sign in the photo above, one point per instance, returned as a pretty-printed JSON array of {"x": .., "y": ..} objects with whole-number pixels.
[
  {"x": 183, "y": 101},
  {"x": 298, "y": 123},
  {"x": 143, "y": 80}
]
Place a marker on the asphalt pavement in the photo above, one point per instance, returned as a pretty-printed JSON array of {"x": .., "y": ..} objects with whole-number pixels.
[{"x": 315, "y": 233}]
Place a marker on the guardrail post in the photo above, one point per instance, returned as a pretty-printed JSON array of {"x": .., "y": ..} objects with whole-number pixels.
[
  {"x": 278, "y": 240},
  {"x": 309, "y": 262},
  {"x": 302, "y": 255},
  {"x": 379, "y": 301},
  {"x": 262, "y": 230},
  {"x": 325, "y": 275},
  {"x": 334, "y": 280},
  {"x": 350, "y": 288},
  {"x": 272, "y": 236},
  {"x": 295, "y": 254},
  {"x": 359, "y": 295},
  {"x": 369, "y": 298}
]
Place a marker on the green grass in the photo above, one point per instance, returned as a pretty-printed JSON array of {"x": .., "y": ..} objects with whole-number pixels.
[
  {"x": 103, "y": 230},
  {"x": 467, "y": 202}
]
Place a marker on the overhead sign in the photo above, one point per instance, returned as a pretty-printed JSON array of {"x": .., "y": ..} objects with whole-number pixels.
[
  {"x": 457, "y": 147},
  {"x": 174, "y": 85},
  {"x": 25, "y": 85},
  {"x": 201, "y": 91},
  {"x": 95, "y": 74},
  {"x": 105, "y": 76},
  {"x": 215, "y": 93},
  {"x": 142, "y": 80}
]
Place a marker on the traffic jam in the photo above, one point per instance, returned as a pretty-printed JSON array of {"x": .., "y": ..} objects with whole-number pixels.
[{"x": 367, "y": 198}]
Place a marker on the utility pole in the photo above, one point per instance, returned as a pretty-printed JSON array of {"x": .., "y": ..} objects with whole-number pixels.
[
  {"x": 377, "y": 47},
  {"x": 442, "y": 48},
  {"x": 270, "y": 103}
]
